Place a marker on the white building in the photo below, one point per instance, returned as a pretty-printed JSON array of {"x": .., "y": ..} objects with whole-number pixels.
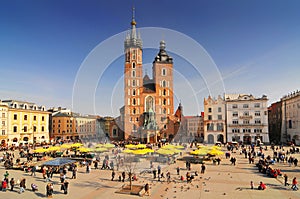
[
  {"x": 214, "y": 120},
  {"x": 247, "y": 118},
  {"x": 3, "y": 123},
  {"x": 291, "y": 118}
]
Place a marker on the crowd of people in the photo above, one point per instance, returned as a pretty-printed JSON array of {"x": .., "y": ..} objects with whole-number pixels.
[{"x": 265, "y": 163}]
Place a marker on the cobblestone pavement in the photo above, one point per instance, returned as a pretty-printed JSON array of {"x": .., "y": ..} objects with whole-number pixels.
[{"x": 219, "y": 181}]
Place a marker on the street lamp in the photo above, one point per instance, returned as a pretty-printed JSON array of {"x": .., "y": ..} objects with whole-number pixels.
[{"x": 33, "y": 140}]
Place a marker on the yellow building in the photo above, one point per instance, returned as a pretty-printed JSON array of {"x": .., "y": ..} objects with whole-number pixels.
[{"x": 26, "y": 122}]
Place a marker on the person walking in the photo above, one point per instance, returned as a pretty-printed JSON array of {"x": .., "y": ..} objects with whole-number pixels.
[
  {"x": 123, "y": 176},
  {"x": 295, "y": 184},
  {"x": 147, "y": 189},
  {"x": 22, "y": 185},
  {"x": 44, "y": 172},
  {"x": 158, "y": 169},
  {"x": 285, "y": 180},
  {"x": 168, "y": 177},
  {"x": 6, "y": 174},
  {"x": 251, "y": 185},
  {"x": 154, "y": 173},
  {"x": 113, "y": 175},
  {"x": 4, "y": 185},
  {"x": 66, "y": 186},
  {"x": 203, "y": 168},
  {"x": 49, "y": 190},
  {"x": 74, "y": 172},
  {"x": 33, "y": 170},
  {"x": 12, "y": 184}
]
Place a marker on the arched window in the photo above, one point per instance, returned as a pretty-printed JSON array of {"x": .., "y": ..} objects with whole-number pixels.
[
  {"x": 133, "y": 92},
  {"x": 134, "y": 111},
  {"x": 133, "y": 73},
  {"x": 133, "y": 65},
  {"x": 164, "y": 92},
  {"x": 164, "y": 111},
  {"x": 149, "y": 103},
  {"x": 164, "y": 83},
  {"x": 164, "y": 102},
  {"x": 133, "y": 83},
  {"x": 163, "y": 72},
  {"x": 133, "y": 101}
]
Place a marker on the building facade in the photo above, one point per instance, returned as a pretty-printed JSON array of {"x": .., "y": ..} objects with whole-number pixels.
[
  {"x": 26, "y": 122},
  {"x": 3, "y": 124},
  {"x": 291, "y": 118},
  {"x": 195, "y": 128},
  {"x": 214, "y": 120},
  {"x": 247, "y": 118},
  {"x": 275, "y": 122},
  {"x": 148, "y": 102}
]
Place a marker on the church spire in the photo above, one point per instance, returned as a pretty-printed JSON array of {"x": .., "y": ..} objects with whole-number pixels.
[
  {"x": 133, "y": 40},
  {"x": 133, "y": 22}
]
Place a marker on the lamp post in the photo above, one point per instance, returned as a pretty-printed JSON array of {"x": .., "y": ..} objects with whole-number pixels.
[{"x": 33, "y": 140}]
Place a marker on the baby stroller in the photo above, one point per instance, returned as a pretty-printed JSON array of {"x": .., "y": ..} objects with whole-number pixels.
[{"x": 34, "y": 187}]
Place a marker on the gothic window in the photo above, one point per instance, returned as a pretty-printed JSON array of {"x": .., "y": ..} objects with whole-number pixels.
[
  {"x": 133, "y": 73},
  {"x": 134, "y": 54},
  {"x": 133, "y": 92},
  {"x": 163, "y": 72},
  {"x": 164, "y": 92},
  {"x": 164, "y": 111},
  {"x": 164, "y": 102},
  {"x": 149, "y": 103}
]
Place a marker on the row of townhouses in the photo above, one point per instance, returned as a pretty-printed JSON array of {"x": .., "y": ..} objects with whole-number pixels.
[{"x": 233, "y": 117}]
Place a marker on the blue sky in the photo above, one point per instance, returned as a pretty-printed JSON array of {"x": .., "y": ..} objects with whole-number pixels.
[{"x": 254, "y": 44}]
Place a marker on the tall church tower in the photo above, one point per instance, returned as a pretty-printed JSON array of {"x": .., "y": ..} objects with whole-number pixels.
[
  {"x": 133, "y": 80},
  {"x": 162, "y": 70}
]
